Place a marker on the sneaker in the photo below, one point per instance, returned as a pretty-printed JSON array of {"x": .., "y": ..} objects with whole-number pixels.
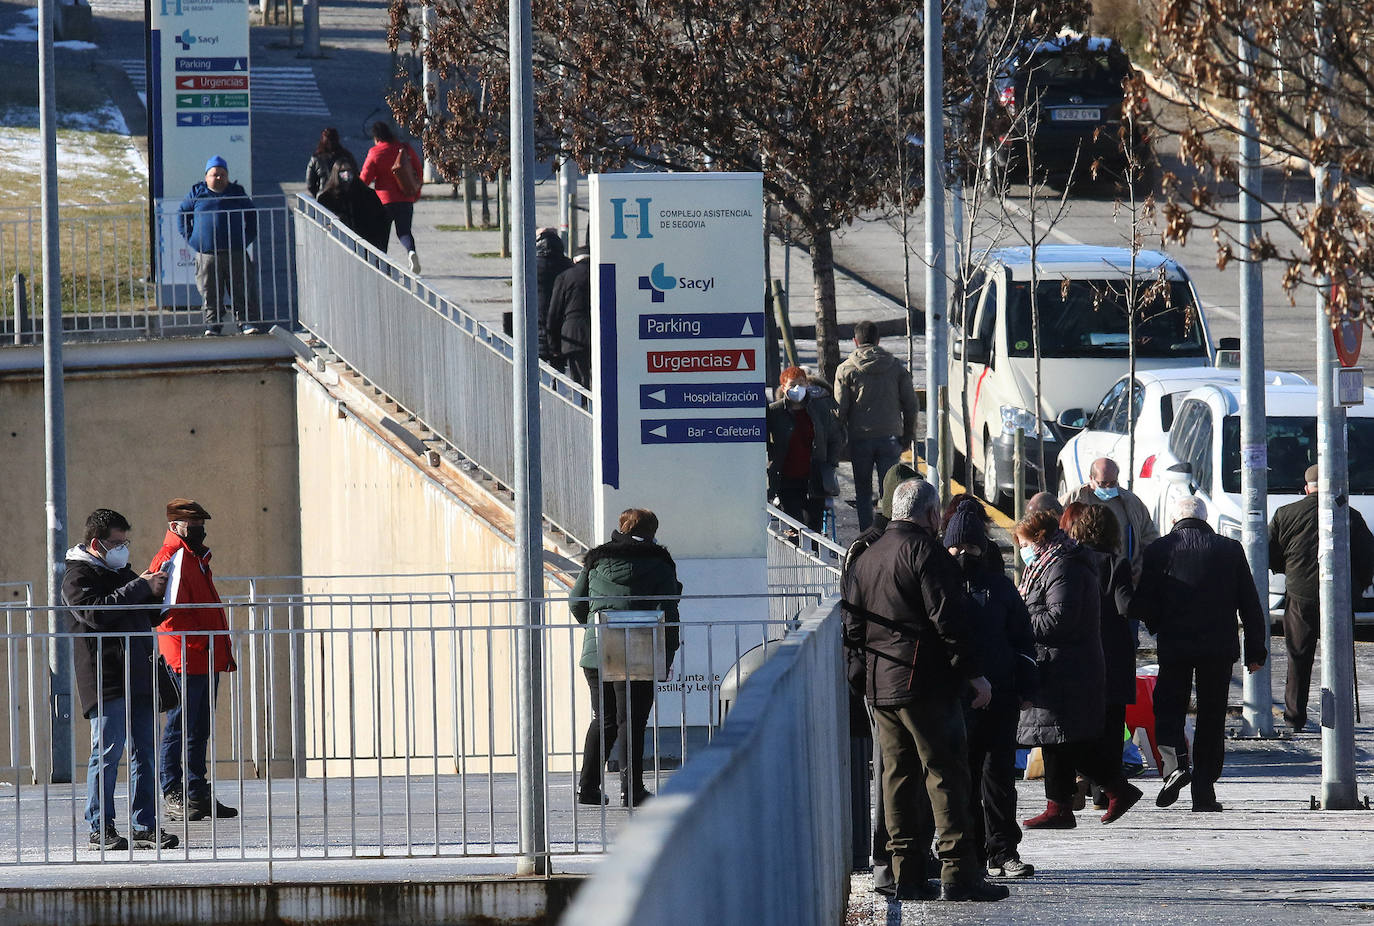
[
  {"x": 250, "y": 329},
  {"x": 109, "y": 839},
  {"x": 973, "y": 890},
  {"x": 154, "y": 839},
  {"x": 212, "y": 331},
  {"x": 1175, "y": 783},
  {"x": 173, "y": 805},
  {"x": 414, "y": 261},
  {"x": 1011, "y": 868}
]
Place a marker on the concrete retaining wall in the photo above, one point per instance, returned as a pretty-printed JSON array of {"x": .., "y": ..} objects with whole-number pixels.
[{"x": 755, "y": 829}]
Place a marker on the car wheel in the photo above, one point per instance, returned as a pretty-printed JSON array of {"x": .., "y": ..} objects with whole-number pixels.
[
  {"x": 1063, "y": 484},
  {"x": 991, "y": 491}
]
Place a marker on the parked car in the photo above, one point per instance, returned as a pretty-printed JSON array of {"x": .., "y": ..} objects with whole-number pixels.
[
  {"x": 1202, "y": 458},
  {"x": 1066, "y": 93},
  {"x": 1083, "y": 340},
  {"x": 1156, "y": 395}
]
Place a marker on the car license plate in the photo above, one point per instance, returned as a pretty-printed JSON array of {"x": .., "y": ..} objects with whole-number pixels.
[{"x": 1076, "y": 115}]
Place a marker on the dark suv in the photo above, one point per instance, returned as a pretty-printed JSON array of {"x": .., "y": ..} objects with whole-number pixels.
[{"x": 1066, "y": 93}]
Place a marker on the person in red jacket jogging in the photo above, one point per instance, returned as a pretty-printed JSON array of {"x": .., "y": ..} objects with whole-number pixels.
[
  {"x": 378, "y": 172},
  {"x": 196, "y": 654}
]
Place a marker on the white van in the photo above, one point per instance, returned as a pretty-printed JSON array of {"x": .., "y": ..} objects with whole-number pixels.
[{"x": 1083, "y": 347}]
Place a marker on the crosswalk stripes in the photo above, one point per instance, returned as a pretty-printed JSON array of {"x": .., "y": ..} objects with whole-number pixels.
[
  {"x": 291, "y": 89},
  {"x": 117, "y": 6}
]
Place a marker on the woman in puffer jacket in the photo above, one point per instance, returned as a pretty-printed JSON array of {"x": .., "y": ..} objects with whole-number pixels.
[{"x": 629, "y": 573}]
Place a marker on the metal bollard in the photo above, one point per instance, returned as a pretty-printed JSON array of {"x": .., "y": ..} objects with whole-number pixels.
[
  {"x": 942, "y": 442},
  {"x": 504, "y": 196},
  {"x": 469, "y": 194},
  {"x": 1019, "y": 475},
  {"x": 21, "y": 308}
]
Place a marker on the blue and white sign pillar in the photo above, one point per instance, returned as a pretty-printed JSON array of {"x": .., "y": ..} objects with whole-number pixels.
[
  {"x": 198, "y": 106},
  {"x": 678, "y": 340}
]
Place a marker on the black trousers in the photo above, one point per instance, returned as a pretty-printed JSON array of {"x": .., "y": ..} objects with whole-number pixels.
[
  {"x": 798, "y": 503},
  {"x": 992, "y": 779},
  {"x": 1176, "y": 679},
  {"x": 1302, "y": 623},
  {"x": 629, "y": 703}
]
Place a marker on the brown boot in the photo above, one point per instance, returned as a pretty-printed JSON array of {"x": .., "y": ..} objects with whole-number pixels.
[
  {"x": 1056, "y": 817},
  {"x": 1120, "y": 798}
]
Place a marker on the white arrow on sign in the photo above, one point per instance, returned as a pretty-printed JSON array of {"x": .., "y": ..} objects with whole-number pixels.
[
  {"x": 744, "y": 362},
  {"x": 748, "y": 328},
  {"x": 659, "y": 396},
  {"x": 660, "y": 431}
]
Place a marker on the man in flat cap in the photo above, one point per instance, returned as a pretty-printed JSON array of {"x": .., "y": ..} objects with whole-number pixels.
[
  {"x": 218, "y": 221},
  {"x": 195, "y": 642},
  {"x": 1293, "y": 543}
]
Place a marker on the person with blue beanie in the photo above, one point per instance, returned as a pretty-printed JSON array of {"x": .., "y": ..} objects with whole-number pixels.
[{"x": 219, "y": 222}]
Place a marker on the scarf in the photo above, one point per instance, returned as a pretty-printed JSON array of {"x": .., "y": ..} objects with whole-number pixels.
[{"x": 1051, "y": 549}]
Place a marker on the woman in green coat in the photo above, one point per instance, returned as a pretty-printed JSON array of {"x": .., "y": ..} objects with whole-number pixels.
[{"x": 628, "y": 573}]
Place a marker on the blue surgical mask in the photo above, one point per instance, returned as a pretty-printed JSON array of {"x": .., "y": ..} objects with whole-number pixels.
[
  {"x": 1029, "y": 555},
  {"x": 796, "y": 393},
  {"x": 1107, "y": 494}
]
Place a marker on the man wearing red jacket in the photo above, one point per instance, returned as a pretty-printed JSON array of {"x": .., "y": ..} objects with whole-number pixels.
[{"x": 195, "y": 642}]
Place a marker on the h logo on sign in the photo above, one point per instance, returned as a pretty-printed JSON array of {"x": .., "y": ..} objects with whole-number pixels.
[
  {"x": 178, "y": 8},
  {"x": 642, "y": 219}
]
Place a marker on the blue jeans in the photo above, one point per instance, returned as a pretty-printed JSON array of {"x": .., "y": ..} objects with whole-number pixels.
[
  {"x": 194, "y": 714},
  {"x": 864, "y": 454},
  {"x": 107, "y": 748}
]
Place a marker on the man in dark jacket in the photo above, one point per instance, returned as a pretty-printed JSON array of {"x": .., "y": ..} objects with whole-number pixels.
[
  {"x": 569, "y": 321},
  {"x": 1193, "y": 583},
  {"x": 860, "y": 721},
  {"x": 549, "y": 262},
  {"x": 99, "y": 589},
  {"x": 1293, "y": 546},
  {"x": 218, "y": 221},
  {"x": 877, "y": 409},
  {"x": 909, "y": 613}
]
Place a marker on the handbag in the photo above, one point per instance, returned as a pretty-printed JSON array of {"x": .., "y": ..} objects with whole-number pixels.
[
  {"x": 168, "y": 691},
  {"x": 404, "y": 172}
]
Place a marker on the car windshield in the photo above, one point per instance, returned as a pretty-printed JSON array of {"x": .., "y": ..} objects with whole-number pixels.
[
  {"x": 1097, "y": 72},
  {"x": 1089, "y": 320},
  {"x": 1292, "y": 448}
]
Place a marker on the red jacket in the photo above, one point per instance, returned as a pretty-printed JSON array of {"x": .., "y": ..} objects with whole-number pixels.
[
  {"x": 376, "y": 170},
  {"x": 191, "y": 582}
]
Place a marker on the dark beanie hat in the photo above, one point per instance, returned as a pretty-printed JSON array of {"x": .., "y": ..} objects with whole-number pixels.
[
  {"x": 893, "y": 478},
  {"x": 966, "y": 526}
]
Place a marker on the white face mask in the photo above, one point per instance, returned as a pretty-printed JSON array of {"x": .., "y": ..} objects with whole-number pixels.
[
  {"x": 796, "y": 392},
  {"x": 118, "y": 557}
]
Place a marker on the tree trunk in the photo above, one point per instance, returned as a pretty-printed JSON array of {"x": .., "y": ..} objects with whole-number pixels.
[{"x": 827, "y": 328}]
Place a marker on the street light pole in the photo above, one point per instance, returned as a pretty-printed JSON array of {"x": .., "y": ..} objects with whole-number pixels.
[
  {"x": 54, "y": 408},
  {"x": 1257, "y": 718},
  {"x": 529, "y": 492},
  {"x": 935, "y": 233}
]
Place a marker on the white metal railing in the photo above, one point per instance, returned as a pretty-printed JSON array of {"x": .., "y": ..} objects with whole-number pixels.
[{"x": 383, "y": 726}]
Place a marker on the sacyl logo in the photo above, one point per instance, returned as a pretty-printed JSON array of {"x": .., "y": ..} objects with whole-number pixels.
[
  {"x": 641, "y": 220},
  {"x": 659, "y": 282},
  {"x": 186, "y": 40}
]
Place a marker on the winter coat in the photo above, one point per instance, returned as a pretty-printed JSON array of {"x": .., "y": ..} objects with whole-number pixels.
[
  {"x": 549, "y": 263},
  {"x": 1063, "y": 602},
  {"x": 317, "y": 171},
  {"x": 854, "y": 657},
  {"x": 613, "y": 574},
  {"x": 1193, "y": 585},
  {"x": 569, "y": 321},
  {"x": 875, "y": 396},
  {"x": 1293, "y": 546},
  {"x": 224, "y": 221},
  {"x": 376, "y": 171},
  {"x": 1136, "y": 524},
  {"x": 907, "y": 578},
  {"x": 192, "y": 582},
  {"x": 360, "y": 209},
  {"x": 1002, "y": 632},
  {"x": 827, "y": 444},
  {"x": 88, "y": 588},
  {"x": 1118, "y": 633}
]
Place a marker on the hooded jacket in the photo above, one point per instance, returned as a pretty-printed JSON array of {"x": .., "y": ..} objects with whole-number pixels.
[
  {"x": 1193, "y": 585},
  {"x": 224, "y": 221},
  {"x": 875, "y": 395},
  {"x": 89, "y": 589},
  {"x": 613, "y": 576},
  {"x": 907, "y": 578},
  {"x": 191, "y": 582},
  {"x": 1064, "y": 601}
]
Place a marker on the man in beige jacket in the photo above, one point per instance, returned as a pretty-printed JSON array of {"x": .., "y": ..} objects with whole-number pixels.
[
  {"x": 877, "y": 407},
  {"x": 1137, "y": 526}
]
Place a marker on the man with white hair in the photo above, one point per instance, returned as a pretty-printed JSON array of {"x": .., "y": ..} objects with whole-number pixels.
[
  {"x": 1193, "y": 583},
  {"x": 1137, "y": 525},
  {"x": 906, "y": 609}
]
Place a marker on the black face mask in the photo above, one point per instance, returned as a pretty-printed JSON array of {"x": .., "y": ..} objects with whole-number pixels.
[
  {"x": 195, "y": 535},
  {"x": 970, "y": 563}
]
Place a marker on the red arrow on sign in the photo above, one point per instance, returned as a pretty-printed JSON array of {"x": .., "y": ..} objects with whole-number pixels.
[{"x": 699, "y": 361}]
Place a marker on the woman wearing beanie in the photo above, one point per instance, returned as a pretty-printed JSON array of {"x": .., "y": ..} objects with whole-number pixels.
[
  {"x": 1096, "y": 527},
  {"x": 1006, "y": 651},
  {"x": 629, "y": 573},
  {"x": 1061, "y": 591}
]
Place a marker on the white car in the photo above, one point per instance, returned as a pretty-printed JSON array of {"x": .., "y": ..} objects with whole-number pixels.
[
  {"x": 1103, "y": 431},
  {"x": 1202, "y": 458}
]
